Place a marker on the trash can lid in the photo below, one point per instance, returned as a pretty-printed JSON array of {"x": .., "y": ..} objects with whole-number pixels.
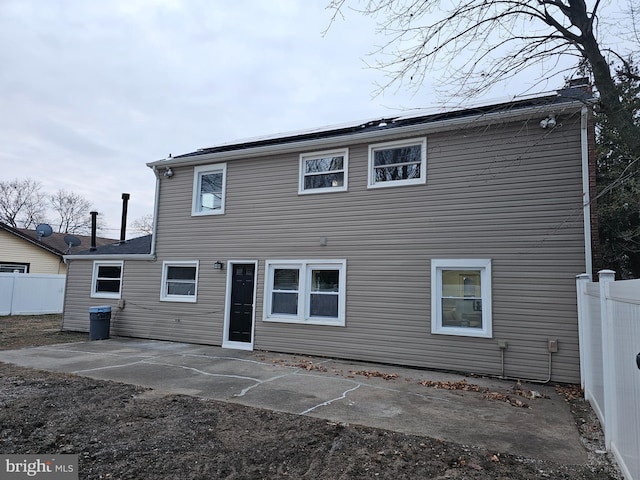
[{"x": 100, "y": 309}]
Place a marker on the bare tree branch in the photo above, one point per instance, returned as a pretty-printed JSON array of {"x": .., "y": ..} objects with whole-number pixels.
[
  {"x": 72, "y": 211},
  {"x": 470, "y": 45},
  {"x": 22, "y": 203}
]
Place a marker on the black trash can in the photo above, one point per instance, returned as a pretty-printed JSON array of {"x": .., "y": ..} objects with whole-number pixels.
[{"x": 99, "y": 322}]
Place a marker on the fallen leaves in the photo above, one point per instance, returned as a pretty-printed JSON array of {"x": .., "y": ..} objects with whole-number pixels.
[
  {"x": 459, "y": 385},
  {"x": 505, "y": 398},
  {"x": 303, "y": 364},
  {"x": 308, "y": 366},
  {"x": 375, "y": 373},
  {"x": 509, "y": 397},
  {"x": 570, "y": 392}
]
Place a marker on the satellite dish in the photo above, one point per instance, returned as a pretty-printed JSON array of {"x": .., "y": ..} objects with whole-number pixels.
[
  {"x": 44, "y": 230},
  {"x": 71, "y": 241}
]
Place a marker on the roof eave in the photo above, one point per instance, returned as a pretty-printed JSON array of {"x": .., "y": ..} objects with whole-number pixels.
[
  {"x": 32, "y": 241},
  {"x": 112, "y": 256},
  {"x": 291, "y": 145}
]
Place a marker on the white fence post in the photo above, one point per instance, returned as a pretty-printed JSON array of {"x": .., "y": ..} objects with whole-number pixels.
[
  {"x": 7, "y": 286},
  {"x": 604, "y": 278},
  {"x": 583, "y": 322}
]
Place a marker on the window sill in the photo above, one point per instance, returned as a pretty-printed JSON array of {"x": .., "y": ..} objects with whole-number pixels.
[
  {"x": 206, "y": 214},
  {"x": 307, "y": 321},
  {"x": 179, "y": 299},
  {"x": 398, "y": 183},
  {"x": 462, "y": 332},
  {"x": 106, "y": 295}
]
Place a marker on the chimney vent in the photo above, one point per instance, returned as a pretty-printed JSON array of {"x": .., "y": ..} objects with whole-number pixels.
[
  {"x": 93, "y": 230},
  {"x": 123, "y": 225}
]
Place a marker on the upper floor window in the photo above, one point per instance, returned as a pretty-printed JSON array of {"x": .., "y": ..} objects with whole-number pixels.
[
  {"x": 179, "y": 281},
  {"x": 461, "y": 297},
  {"x": 209, "y": 184},
  {"x": 107, "y": 279},
  {"x": 324, "y": 171},
  {"x": 398, "y": 163}
]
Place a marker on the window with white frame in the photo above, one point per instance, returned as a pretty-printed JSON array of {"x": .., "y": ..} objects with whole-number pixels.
[
  {"x": 209, "y": 185},
  {"x": 106, "y": 281},
  {"x": 305, "y": 291},
  {"x": 14, "y": 267},
  {"x": 179, "y": 281},
  {"x": 461, "y": 297},
  {"x": 324, "y": 171},
  {"x": 398, "y": 163}
]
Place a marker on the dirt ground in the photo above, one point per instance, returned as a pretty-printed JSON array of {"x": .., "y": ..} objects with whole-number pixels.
[{"x": 126, "y": 432}]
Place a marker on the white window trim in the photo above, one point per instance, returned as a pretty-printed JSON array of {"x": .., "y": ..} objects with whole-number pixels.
[
  {"x": 343, "y": 152},
  {"x": 196, "y": 207},
  {"x": 484, "y": 265},
  {"x": 94, "y": 278},
  {"x": 371, "y": 182},
  {"x": 15, "y": 267},
  {"x": 304, "y": 288},
  {"x": 226, "y": 343},
  {"x": 178, "y": 298}
]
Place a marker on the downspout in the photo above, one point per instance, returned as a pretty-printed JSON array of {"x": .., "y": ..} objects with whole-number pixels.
[
  {"x": 586, "y": 200},
  {"x": 154, "y": 232}
]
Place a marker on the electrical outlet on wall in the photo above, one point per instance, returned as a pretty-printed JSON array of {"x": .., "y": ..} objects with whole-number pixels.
[{"x": 553, "y": 345}]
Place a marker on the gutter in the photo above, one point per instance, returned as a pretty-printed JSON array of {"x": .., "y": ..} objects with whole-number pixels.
[
  {"x": 156, "y": 201},
  {"x": 586, "y": 200},
  {"x": 389, "y": 132},
  {"x": 112, "y": 256}
]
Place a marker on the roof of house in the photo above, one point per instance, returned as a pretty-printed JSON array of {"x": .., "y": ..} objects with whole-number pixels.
[
  {"x": 135, "y": 246},
  {"x": 55, "y": 243},
  {"x": 572, "y": 94}
]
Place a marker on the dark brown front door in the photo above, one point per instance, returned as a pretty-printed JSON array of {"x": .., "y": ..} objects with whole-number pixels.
[{"x": 241, "y": 315}]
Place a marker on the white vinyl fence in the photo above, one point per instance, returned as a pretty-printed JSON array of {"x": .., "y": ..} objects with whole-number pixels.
[
  {"x": 609, "y": 326},
  {"x": 31, "y": 294}
]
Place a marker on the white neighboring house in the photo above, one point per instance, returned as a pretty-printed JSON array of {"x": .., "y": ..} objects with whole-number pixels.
[{"x": 23, "y": 251}]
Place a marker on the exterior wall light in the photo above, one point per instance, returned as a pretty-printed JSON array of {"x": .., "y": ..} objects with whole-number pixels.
[
  {"x": 218, "y": 265},
  {"x": 548, "y": 122}
]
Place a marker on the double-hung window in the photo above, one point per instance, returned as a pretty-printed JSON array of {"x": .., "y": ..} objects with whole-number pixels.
[
  {"x": 324, "y": 171},
  {"x": 179, "y": 281},
  {"x": 209, "y": 185},
  {"x": 461, "y": 297},
  {"x": 305, "y": 291},
  {"x": 398, "y": 163},
  {"x": 106, "y": 281}
]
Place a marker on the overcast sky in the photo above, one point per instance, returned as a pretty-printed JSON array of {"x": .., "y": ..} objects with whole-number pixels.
[{"x": 90, "y": 91}]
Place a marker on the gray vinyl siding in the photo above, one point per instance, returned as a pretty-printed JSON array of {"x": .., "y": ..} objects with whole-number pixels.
[{"x": 508, "y": 192}]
